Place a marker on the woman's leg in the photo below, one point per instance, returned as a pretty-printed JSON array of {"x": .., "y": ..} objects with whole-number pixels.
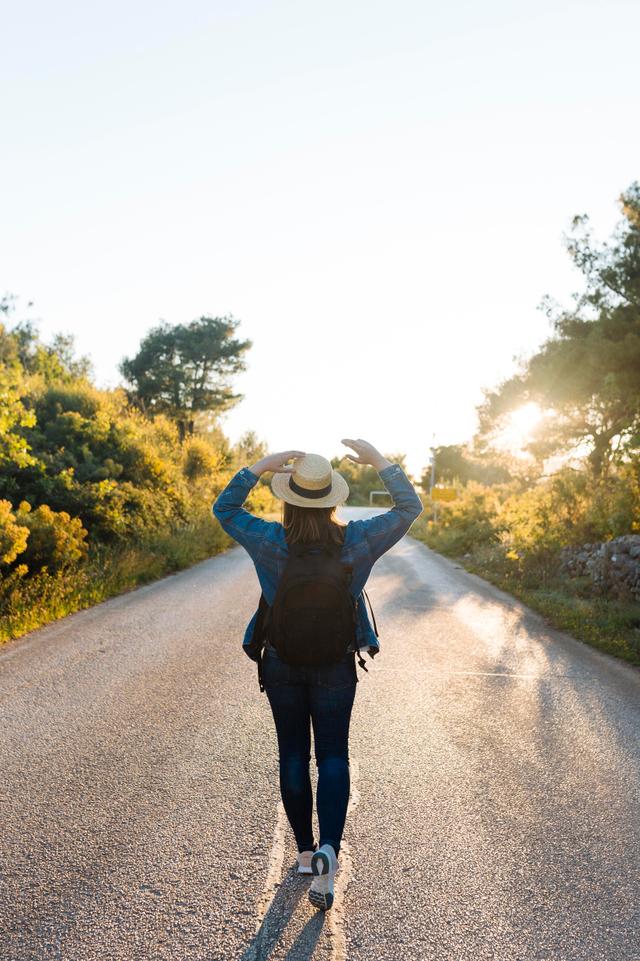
[
  {"x": 332, "y": 697},
  {"x": 290, "y": 706}
]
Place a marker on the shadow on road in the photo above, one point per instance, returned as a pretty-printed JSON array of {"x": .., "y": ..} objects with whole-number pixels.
[{"x": 279, "y": 916}]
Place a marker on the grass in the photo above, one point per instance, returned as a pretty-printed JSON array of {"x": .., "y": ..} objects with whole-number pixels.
[
  {"x": 29, "y": 603},
  {"x": 608, "y": 624}
]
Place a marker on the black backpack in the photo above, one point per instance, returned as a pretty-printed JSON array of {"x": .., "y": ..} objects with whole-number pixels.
[{"x": 312, "y": 621}]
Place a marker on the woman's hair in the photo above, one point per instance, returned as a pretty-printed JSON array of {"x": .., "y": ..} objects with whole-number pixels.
[{"x": 306, "y": 524}]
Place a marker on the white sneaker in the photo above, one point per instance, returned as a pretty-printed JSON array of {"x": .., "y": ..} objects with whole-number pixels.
[
  {"x": 304, "y": 862},
  {"x": 324, "y": 865}
]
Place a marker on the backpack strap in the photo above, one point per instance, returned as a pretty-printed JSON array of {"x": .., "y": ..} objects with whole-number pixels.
[
  {"x": 375, "y": 626},
  {"x": 260, "y": 634},
  {"x": 361, "y": 660},
  {"x": 260, "y": 676}
]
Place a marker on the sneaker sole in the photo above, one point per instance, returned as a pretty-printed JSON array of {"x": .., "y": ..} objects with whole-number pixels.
[
  {"x": 320, "y": 866},
  {"x": 322, "y": 901}
]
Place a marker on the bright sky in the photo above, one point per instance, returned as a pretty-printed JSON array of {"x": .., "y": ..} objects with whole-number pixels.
[{"x": 377, "y": 191}]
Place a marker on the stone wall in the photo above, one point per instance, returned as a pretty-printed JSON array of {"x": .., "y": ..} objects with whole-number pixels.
[{"x": 614, "y": 567}]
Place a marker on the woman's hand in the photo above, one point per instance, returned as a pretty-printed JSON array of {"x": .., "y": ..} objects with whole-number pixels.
[
  {"x": 367, "y": 453},
  {"x": 276, "y": 462}
]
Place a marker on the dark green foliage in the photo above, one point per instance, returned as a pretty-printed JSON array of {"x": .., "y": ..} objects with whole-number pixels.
[
  {"x": 182, "y": 370},
  {"x": 101, "y": 461}
]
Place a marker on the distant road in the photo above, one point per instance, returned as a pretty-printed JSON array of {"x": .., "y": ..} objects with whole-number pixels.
[{"x": 495, "y": 784}]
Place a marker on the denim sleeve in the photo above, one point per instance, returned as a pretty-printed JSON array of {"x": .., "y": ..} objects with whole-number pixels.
[
  {"x": 385, "y": 530},
  {"x": 245, "y": 528}
]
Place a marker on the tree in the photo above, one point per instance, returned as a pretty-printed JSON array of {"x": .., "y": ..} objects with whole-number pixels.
[
  {"x": 586, "y": 376},
  {"x": 249, "y": 448},
  {"x": 455, "y": 463},
  {"x": 182, "y": 370},
  {"x": 53, "y": 362},
  {"x": 362, "y": 478}
]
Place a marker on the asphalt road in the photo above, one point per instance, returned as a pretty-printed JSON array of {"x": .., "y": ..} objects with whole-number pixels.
[{"x": 495, "y": 784}]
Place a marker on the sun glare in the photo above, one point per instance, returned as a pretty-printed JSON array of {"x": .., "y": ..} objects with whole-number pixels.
[{"x": 520, "y": 427}]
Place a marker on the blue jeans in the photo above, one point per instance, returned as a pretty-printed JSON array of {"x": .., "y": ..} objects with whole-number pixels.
[{"x": 324, "y": 696}]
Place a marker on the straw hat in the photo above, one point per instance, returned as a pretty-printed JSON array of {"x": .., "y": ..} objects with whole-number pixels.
[{"x": 313, "y": 483}]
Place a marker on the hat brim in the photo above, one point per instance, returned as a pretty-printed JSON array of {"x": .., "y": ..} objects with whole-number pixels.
[{"x": 337, "y": 495}]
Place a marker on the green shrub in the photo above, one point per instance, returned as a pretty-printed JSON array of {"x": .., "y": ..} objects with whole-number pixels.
[
  {"x": 199, "y": 459},
  {"x": 13, "y": 535},
  {"x": 464, "y": 524},
  {"x": 56, "y": 541}
]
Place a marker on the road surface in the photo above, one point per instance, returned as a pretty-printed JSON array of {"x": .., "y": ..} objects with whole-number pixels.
[{"x": 495, "y": 784}]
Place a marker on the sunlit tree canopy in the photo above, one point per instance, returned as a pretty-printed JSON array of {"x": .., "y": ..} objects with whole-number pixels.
[{"x": 586, "y": 376}]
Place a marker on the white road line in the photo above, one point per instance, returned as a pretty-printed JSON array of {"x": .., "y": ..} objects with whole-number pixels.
[
  {"x": 420, "y": 671},
  {"x": 344, "y": 876},
  {"x": 276, "y": 860}
]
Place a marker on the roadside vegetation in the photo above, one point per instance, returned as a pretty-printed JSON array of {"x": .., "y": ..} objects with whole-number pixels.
[
  {"x": 555, "y": 463},
  {"x": 104, "y": 490}
]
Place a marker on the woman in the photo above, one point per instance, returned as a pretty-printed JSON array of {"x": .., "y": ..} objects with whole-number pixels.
[{"x": 323, "y": 696}]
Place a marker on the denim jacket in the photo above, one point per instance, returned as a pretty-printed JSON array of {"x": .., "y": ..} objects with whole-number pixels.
[{"x": 364, "y": 542}]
